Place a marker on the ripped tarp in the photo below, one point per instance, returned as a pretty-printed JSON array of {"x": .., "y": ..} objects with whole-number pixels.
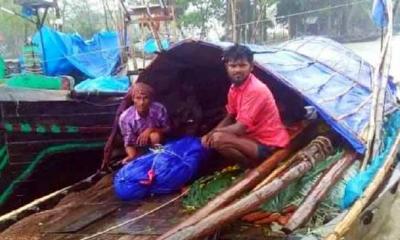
[{"x": 70, "y": 54}]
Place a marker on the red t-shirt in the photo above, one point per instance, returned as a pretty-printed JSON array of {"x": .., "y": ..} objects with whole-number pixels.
[{"x": 253, "y": 105}]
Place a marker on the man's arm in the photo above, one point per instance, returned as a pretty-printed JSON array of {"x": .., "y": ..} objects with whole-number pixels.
[
  {"x": 131, "y": 153},
  {"x": 227, "y": 120},
  {"x": 236, "y": 128}
]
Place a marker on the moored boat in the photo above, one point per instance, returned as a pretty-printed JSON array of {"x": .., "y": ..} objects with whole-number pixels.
[
  {"x": 189, "y": 78},
  {"x": 44, "y": 135}
]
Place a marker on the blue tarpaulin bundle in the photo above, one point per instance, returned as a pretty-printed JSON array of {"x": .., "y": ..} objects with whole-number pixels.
[
  {"x": 150, "y": 46},
  {"x": 160, "y": 172},
  {"x": 104, "y": 84},
  {"x": 70, "y": 54}
]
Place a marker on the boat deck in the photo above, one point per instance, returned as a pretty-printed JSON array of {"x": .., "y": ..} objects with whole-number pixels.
[
  {"x": 32, "y": 95},
  {"x": 94, "y": 210}
]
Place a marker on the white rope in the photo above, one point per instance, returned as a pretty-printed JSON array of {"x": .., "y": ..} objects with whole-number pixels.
[{"x": 136, "y": 218}]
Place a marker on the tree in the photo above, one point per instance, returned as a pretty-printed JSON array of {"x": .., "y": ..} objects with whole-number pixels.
[
  {"x": 14, "y": 30},
  {"x": 82, "y": 18},
  {"x": 196, "y": 15}
]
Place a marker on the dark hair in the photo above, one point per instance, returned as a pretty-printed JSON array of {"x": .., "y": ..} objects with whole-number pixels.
[{"x": 237, "y": 52}]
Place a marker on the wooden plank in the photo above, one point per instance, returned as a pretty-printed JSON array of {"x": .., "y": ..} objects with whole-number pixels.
[
  {"x": 81, "y": 218},
  {"x": 14, "y": 94},
  {"x": 76, "y": 114},
  {"x": 30, "y": 138},
  {"x": 35, "y": 146},
  {"x": 152, "y": 224},
  {"x": 57, "y": 107},
  {"x": 69, "y": 236},
  {"x": 82, "y": 120},
  {"x": 27, "y": 157}
]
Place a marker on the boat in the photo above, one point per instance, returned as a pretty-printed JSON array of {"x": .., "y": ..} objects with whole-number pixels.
[
  {"x": 189, "y": 78},
  {"x": 44, "y": 134},
  {"x": 46, "y": 122}
]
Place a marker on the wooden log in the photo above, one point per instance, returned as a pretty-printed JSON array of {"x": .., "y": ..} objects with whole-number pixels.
[
  {"x": 344, "y": 226},
  {"x": 318, "y": 192},
  {"x": 251, "y": 179},
  {"x": 316, "y": 151},
  {"x": 279, "y": 170}
]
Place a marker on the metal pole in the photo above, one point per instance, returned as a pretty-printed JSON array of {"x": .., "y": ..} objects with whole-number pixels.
[{"x": 39, "y": 25}]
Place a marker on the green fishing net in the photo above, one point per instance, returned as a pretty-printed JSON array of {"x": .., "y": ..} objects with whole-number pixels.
[{"x": 206, "y": 188}]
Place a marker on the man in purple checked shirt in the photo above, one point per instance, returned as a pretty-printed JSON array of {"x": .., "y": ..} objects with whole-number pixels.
[{"x": 143, "y": 124}]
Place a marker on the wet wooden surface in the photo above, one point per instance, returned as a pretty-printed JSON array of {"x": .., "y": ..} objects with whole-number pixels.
[{"x": 96, "y": 209}]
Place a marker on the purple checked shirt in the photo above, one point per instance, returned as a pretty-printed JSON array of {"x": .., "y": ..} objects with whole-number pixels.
[{"x": 132, "y": 124}]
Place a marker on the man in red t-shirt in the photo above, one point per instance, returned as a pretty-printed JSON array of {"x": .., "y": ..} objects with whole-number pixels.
[{"x": 252, "y": 128}]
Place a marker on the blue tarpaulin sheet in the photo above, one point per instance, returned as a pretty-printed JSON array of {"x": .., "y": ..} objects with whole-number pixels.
[
  {"x": 332, "y": 78},
  {"x": 70, "y": 54},
  {"x": 104, "y": 84},
  {"x": 150, "y": 46},
  {"x": 356, "y": 185}
]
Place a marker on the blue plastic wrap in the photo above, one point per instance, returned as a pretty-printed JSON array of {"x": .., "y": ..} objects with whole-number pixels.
[
  {"x": 150, "y": 46},
  {"x": 173, "y": 166},
  {"x": 356, "y": 186},
  {"x": 104, "y": 84},
  {"x": 70, "y": 54}
]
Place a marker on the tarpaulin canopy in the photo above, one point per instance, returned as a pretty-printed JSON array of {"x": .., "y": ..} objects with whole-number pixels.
[
  {"x": 324, "y": 73},
  {"x": 70, "y": 54}
]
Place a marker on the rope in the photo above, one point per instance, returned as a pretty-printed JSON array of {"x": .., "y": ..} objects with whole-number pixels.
[
  {"x": 303, "y": 13},
  {"x": 138, "y": 217}
]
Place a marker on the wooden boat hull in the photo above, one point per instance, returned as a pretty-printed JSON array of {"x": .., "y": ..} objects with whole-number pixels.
[
  {"x": 49, "y": 141},
  {"x": 374, "y": 216},
  {"x": 97, "y": 209}
]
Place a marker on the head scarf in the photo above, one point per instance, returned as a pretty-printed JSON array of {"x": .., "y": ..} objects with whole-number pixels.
[{"x": 142, "y": 89}]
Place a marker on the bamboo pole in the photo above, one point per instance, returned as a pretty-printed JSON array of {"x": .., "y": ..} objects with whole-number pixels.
[
  {"x": 313, "y": 153},
  {"x": 279, "y": 170},
  {"x": 384, "y": 73},
  {"x": 318, "y": 192},
  {"x": 351, "y": 216},
  {"x": 233, "y": 11},
  {"x": 251, "y": 179},
  {"x": 379, "y": 93}
]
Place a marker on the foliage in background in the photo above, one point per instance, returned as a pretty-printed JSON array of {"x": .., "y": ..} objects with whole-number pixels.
[
  {"x": 193, "y": 14},
  {"x": 253, "y": 18},
  {"x": 82, "y": 18},
  {"x": 13, "y": 30},
  {"x": 340, "y": 19}
]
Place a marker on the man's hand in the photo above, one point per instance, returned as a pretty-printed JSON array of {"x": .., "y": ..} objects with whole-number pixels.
[
  {"x": 206, "y": 140},
  {"x": 144, "y": 137},
  {"x": 126, "y": 160}
]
